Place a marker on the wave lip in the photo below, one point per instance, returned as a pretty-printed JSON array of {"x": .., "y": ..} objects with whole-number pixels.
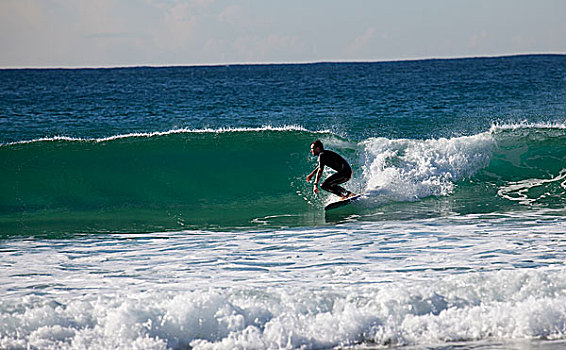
[
  {"x": 496, "y": 127},
  {"x": 171, "y": 132}
]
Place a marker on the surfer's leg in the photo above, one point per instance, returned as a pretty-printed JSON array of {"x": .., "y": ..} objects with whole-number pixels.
[
  {"x": 344, "y": 193},
  {"x": 332, "y": 182}
]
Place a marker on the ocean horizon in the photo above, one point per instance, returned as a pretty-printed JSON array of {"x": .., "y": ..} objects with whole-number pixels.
[{"x": 283, "y": 63}]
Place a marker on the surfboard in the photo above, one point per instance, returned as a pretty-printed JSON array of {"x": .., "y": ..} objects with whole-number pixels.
[{"x": 342, "y": 202}]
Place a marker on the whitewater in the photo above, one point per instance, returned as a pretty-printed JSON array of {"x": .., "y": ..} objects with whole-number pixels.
[{"x": 426, "y": 282}]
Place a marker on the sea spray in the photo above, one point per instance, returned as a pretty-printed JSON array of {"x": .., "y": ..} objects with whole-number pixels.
[{"x": 409, "y": 170}]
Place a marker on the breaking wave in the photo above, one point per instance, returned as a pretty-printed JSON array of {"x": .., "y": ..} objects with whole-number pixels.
[{"x": 183, "y": 179}]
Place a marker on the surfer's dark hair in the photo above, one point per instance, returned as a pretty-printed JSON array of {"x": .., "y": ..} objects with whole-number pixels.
[{"x": 318, "y": 144}]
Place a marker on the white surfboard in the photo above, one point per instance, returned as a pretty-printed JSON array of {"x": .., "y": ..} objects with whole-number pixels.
[{"x": 342, "y": 202}]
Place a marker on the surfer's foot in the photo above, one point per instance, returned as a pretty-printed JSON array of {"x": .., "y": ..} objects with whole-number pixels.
[{"x": 348, "y": 196}]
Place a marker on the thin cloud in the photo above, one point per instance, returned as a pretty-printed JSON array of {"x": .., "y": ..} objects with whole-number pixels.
[
  {"x": 477, "y": 39},
  {"x": 231, "y": 14},
  {"x": 361, "y": 42}
]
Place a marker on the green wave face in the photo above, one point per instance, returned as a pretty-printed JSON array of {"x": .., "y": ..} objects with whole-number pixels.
[
  {"x": 529, "y": 167},
  {"x": 256, "y": 178},
  {"x": 527, "y": 152},
  {"x": 159, "y": 182}
]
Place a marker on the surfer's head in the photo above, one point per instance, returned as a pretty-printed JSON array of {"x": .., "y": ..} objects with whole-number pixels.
[{"x": 316, "y": 147}]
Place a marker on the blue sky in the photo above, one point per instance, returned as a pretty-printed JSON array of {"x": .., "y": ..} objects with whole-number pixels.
[{"x": 101, "y": 33}]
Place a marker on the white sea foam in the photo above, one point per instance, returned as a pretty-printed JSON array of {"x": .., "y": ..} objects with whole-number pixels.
[
  {"x": 407, "y": 170},
  {"x": 496, "y": 127},
  {"x": 519, "y": 191},
  {"x": 172, "y": 132},
  {"x": 433, "y": 281},
  {"x": 497, "y": 305}
]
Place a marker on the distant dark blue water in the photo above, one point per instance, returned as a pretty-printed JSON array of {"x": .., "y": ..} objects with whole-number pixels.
[
  {"x": 167, "y": 207},
  {"x": 420, "y": 99}
]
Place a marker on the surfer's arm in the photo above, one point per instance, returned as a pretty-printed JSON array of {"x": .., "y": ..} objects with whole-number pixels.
[
  {"x": 318, "y": 176},
  {"x": 318, "y": 171},
  {"x": 309, "y": 176}
]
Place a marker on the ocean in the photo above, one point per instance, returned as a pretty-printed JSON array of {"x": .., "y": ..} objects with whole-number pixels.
[{"x": 167, "y": 207}]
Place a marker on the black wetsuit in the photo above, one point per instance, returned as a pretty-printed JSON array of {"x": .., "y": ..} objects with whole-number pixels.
[{"x": 344, "y": 172}]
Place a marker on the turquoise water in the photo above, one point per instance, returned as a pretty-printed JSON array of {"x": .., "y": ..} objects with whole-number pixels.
[
  {"x": 167, "y": 207},
  {"x": 214, "y": 179}
]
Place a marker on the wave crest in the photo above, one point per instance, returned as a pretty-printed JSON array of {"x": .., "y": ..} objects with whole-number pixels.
[
  {"x": 171, "y": 132},
  {"x": 407, "y": 170}
]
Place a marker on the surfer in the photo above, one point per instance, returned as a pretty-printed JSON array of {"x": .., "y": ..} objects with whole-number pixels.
[{"x": 334, "y": 161}]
